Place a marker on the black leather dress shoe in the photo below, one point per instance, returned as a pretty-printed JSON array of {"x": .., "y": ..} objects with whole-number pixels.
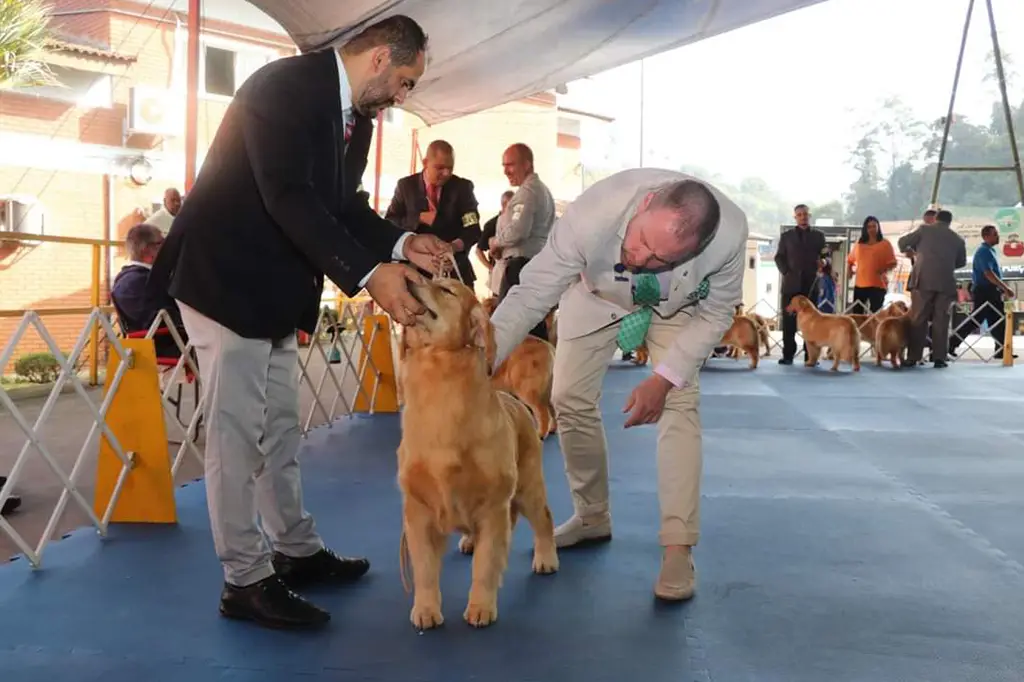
[
  {"x": 271, "y": 604},
  {"x": 323, "y": 567}
]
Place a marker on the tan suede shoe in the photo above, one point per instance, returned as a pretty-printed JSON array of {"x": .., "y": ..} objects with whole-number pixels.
[{"x": 678, "y": 579}]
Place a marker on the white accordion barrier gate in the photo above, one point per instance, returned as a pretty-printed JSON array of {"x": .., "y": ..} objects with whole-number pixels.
[
  {"x": 348, "y": 363},
  {"x": 970, "y": 325}
]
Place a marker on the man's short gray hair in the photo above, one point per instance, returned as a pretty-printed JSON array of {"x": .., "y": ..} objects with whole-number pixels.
[
  {"x": 141, "y": 236},
  {"x": 695, "y": 206}
]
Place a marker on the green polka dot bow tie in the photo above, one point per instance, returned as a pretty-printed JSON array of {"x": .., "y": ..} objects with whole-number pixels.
[{"x": 633, "y": 328}]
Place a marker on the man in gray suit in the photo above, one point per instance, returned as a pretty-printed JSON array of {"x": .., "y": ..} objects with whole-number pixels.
[
  {"x": 644, "y": 256},
  {"x": 939, "y": 251}
]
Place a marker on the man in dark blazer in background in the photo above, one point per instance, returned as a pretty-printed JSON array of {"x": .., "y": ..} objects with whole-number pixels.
[
  {"x": 273, "y": 211},
  {"x": 435, "y": 201},
  {"x": 798, "y": 258}
]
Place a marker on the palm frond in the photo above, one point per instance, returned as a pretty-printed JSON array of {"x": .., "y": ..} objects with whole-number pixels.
[{"x": 24, "y": 32}]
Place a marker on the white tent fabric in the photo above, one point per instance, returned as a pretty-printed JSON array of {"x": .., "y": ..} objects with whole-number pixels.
[{"x": 487, "y": 52}]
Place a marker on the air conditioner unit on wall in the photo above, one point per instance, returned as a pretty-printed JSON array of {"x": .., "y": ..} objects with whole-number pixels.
[
  {"x": 22, "y": 214},
  {"x": 155, "y": 111}
]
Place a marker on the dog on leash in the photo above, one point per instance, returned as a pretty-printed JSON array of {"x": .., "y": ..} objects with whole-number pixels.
[
  {"x": 469, "y": 459},
  {"x": 893, "y": 335},
  {"x": 743, "y": 335},
  {"x": 825, "y": 330}
]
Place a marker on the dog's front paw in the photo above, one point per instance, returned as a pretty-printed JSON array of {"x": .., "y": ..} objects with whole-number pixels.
[
  {"x": 426, "y": 616},
  {"x": 480, "y": 615},
  {"x": 545, "y": 563},
  {"x": 466, "y": 544}
]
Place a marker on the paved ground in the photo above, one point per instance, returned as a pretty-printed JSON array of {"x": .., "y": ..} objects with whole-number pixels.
[
  {"x": 855, "y": 528},
  {"x": 66, "y": 429}
]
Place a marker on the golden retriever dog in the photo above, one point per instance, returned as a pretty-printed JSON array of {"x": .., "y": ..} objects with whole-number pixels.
[
  {"x": 762, "y": 333},
  {"x": 893, "y": 335},
  {"x": 743, "y": 335},
  {"x": 469, "y": 459},
  {"x": 820, "y": 330},
  {"x": 868, "y": 324},
  {"x": 528, "y": 373}
]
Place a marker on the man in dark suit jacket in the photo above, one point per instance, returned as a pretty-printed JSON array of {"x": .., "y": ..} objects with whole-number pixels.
[
  {"x": 438, "y": 202},
  {"x": 273, "y": 211},
  {"x": 798, "y": 258}
]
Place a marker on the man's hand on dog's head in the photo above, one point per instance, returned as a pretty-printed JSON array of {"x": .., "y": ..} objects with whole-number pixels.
[{"x": 389, "y": 287}]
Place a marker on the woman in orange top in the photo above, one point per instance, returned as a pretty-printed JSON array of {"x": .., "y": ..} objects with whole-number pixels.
[{"x": 872, "y": 259}]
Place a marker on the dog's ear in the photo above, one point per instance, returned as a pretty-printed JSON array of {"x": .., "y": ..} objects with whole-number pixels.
[{"x": 481, "y": 334}]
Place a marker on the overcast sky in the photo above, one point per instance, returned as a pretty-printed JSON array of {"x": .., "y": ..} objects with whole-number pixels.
[{"x": 782, "y": 99}]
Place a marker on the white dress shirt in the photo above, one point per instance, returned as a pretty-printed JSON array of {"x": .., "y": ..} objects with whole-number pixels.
[{"x": 345, "y": 88}]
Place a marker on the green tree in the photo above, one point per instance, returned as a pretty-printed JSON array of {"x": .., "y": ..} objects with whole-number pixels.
[
  {"x": 24, "y": 32},
  {"x": 766, "y": 209},
  {"x": 896, "y": 158}
]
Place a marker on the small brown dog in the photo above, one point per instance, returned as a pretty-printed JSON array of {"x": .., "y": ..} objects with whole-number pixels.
[
  {"x": 469, "y": 459},
  {"x": 893, "y": 335},
  {"x": 838, "y": 332},
  {"x": 528, "y": 373}
]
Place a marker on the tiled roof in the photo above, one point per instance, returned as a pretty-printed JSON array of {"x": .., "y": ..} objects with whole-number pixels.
[{"x": 63, "y": 42}]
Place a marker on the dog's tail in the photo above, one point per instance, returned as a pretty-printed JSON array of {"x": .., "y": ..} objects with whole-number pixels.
[{"x": 403, "y": 563}]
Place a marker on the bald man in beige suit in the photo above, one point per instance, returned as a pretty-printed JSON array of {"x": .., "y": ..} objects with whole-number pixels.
[{"x": 645, "y": 255}]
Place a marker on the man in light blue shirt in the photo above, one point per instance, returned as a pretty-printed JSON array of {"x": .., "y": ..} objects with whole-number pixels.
[{"x": 988, "y": 291}]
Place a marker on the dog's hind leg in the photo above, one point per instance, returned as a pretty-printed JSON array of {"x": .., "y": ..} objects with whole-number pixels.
[
  {"x": 426, "y": 547},
  {"x": 492, "y": 536},
  {"x": 754, "y": 352},
  {"x": 766, "y": 340}
]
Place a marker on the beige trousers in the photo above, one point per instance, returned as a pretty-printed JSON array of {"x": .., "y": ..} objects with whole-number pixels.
[
  {"x": 580, "y": 366},
  {"x": 251, "y": 398}
]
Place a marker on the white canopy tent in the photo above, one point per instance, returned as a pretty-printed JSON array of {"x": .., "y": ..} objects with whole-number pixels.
[{"x": 487, "y": 52}]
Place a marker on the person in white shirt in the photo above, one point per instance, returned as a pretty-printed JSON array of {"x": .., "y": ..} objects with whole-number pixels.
[
  {"x": 163, "y": 218},
  {"x": 644, "y": 256}
]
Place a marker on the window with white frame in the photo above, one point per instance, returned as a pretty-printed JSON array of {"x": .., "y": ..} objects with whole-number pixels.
[{"x": 226, "y": 67}]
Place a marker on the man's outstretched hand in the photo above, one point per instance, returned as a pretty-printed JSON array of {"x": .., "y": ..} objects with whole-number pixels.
[
  {"x": 389, "y": 287},
  {"x": 426, "y": 251},
  {"x": 647, "y": 401}
]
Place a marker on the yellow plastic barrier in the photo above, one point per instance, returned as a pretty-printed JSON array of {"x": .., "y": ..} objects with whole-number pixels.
[
  {"x": 136, "y": 417},
  {"x": 1008, "y": 329},
  {"x": 378, "y": 389}
]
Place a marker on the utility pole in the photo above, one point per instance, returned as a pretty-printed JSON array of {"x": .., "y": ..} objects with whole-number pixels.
[{"x": 642, "y": 112}]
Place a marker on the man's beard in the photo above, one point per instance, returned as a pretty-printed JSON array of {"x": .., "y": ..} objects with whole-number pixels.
[{"x": 375, "y": 96}]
